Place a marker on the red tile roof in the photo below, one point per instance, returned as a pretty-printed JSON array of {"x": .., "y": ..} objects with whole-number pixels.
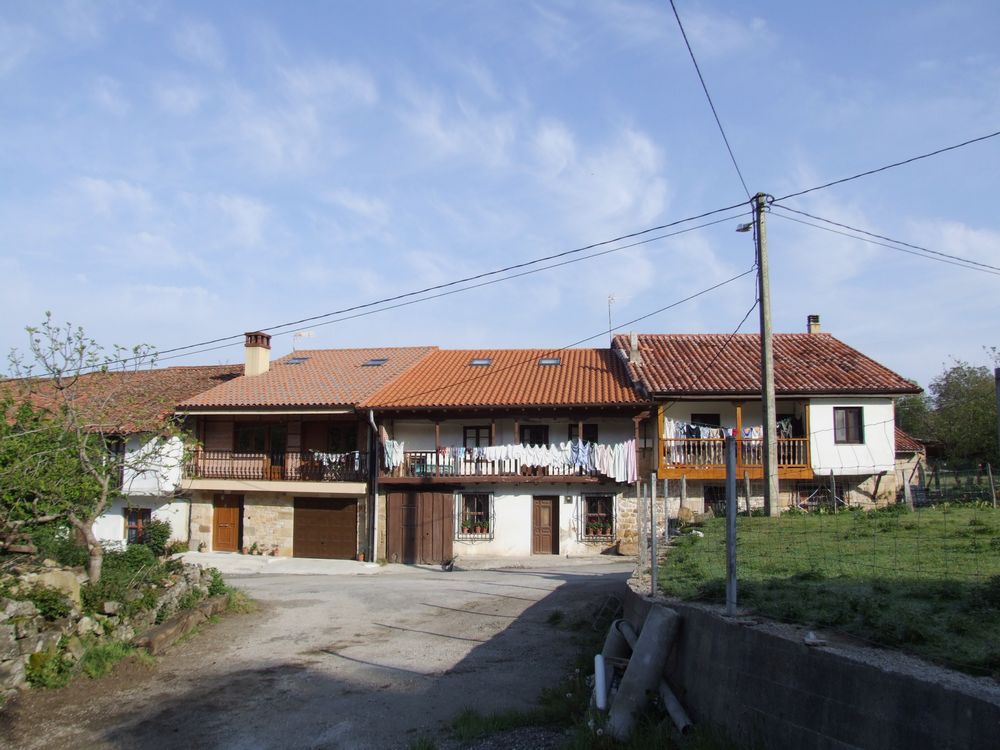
[
  {"x": 514, "y": 378},
  {"x": 907, "y": 444},
  {"x": 324, "y": 378},
  {"x": 804, "y": 363},
  {"x": 126, "y": 402}
]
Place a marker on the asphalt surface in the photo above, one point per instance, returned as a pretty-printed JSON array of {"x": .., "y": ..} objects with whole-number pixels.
[{"x": 335, "y": 661}]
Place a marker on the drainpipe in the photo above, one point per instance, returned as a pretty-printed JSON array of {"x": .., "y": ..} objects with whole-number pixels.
[{"x": 372, "y": 486}]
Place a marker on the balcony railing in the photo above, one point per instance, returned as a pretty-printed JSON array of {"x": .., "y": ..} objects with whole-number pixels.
[
  {"x": 421, "y": 464},
  {"x": 711, "y": 452},
  {"x": 305, "y": 466}
]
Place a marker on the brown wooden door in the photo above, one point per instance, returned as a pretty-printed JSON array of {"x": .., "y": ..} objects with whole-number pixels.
[
  {"x": 420, "y": 527},
  {"x": 545, "y": 525},
  {"x": 226, "y": 523},
  {"x": 325, "y": 527}
]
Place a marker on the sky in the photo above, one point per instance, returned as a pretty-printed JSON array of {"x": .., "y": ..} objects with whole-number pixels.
[{"x": 174, "y": 173}]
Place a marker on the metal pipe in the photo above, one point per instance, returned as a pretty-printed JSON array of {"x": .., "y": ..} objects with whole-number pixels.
[
  {"x": 674, "y": 708},
  {"x": 373, "y": 488},
  {"x": 627, "y": 632},
  {"x": 600, "y": 686}
]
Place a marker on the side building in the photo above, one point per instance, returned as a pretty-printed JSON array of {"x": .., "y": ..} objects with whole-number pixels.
[
  {"x": 510, "y": 452},
  {"x": 835, "y": 416},
  {"x": 282, "y": 466}
]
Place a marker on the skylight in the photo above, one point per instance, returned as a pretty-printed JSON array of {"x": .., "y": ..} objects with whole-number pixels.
[
  {"x": 296, "y": 360},
  {"x": 481, "y": 362},
  {"x": 550, "y": 361},
  {"x": 376, "y": 362}
]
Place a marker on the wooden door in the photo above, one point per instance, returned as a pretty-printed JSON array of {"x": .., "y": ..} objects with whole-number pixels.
[
  {"x": 325, "y": 527},
  {"x": 226, "y": 524},
  {"x": 420, "y": 527},
  {"x": 545, "y": 525}
]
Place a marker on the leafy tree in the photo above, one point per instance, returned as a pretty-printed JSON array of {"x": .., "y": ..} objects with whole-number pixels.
[
  {"x": 964, "y": 417},
  {"x": 73, "y": 406},
  {"x": 913, "y": 415}
]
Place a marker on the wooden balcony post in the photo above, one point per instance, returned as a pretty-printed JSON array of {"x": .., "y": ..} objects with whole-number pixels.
[
  {"x": 739, "y": 435},
  {"x": 437, "y": 449}
]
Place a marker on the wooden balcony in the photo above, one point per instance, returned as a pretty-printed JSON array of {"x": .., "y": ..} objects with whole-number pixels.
[
  {"x": 705, "y": 458},
  {"x": 432, "y": 466},
  {"x": 306, "y": 466}
]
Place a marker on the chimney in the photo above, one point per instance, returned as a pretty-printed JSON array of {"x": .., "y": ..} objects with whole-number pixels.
[
  {"x": 257, "y": 353},
  {"x": 812, "y": 324},
  {"x": 634, "y": 355}
]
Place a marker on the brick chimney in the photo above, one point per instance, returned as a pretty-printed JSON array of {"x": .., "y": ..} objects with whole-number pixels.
[
  {"x": 812, "y": 324},
  {"x": 257, "y": 353}
]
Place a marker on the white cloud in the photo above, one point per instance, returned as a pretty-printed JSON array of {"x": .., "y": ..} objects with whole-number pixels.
[
  {"x": 331, "y": 84},
  {"x": 17, "y": 42},
  {"x": 246, "y": 218},
  {"x": 179, "y": 99},
  {"x": 108, "y": 95},
  {"x": 199, "y": 42},
  {"x": 114, "y": 196},
  {"x": 553, "y": 34},
  {"x": 364, "y": 206},
  {"x": 555, "y": 147},
  {"x": 722, "y": 35}
]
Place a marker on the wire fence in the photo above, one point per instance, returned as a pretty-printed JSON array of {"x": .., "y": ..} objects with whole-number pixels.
[{"x": 857, "y": 555}]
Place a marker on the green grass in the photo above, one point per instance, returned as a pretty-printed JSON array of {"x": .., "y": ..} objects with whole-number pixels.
[
  {"x": 100, "y": 659},
  {"x": 927, "y": 582}
]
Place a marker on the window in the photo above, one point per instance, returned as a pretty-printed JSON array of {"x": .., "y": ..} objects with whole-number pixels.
[
  {"x": 296, "y": 360},
  {"x": 260, "y": 438},
  {"x": 534, "y": 434},
  {"x": 550, "y": 361},
  {"x": 136, "y": 520},
  {"x": 589, "y": 432},
  {"x": 598, "y": 517},
  {"x": 342, "y": 438},
  {"x": 848, "y": 425},
  {"x": 376, "y": 362},
  {"x": 706, "y": 420},
  {"x": 475, "y": 516},
  {"x": 481, "y": 362},
  {"x": 475, "y": 437}
]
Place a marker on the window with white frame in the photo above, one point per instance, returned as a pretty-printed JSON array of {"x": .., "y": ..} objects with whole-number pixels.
[
  {"x": 474, "y": 516},
  {"x": 597, "y": 517}
]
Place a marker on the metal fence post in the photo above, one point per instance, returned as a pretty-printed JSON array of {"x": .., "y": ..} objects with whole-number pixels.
[
  {"x": 641, "y": 523},
  {"x": 652, "y": 533},
  {"x": 730, "y": 525}
]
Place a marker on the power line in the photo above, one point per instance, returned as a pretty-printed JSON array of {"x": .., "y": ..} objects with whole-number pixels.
[
  {"x": 886, "y": 245},
  {"x": 708, "y": 96},
  {"x": 599, "y": 334},
  {"x": 890, "y": 239},
  {"x": 455, "y": 282},
  {"x": 890, "y": 166},
  {"x": 481, "y": 284}
]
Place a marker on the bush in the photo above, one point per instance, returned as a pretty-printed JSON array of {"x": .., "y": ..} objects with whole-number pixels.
[
  {"x": 135, "y": 568},
  {"x": 48, "y": 669},
  {"x": 101, "y": 658},
  {"x": 218, "y": 586},
  {"x": 51, "y": 603},
  {"x": 155, "y": 536},
  {"x": 57, "y": 541},
  {"x": 176, "y": 548}
]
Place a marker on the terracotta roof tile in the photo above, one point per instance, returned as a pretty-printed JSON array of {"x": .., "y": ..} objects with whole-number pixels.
[
  {"x": 804, "y": 363},
  {"x": 514, "y": 377},
  {"x": 324, "y": 378},
  {"x": 126, "y": 402},
  {"x": 907, "y": 444}
]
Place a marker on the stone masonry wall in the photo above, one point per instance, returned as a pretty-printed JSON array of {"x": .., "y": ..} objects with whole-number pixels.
[{"x": 268, "y": 522}]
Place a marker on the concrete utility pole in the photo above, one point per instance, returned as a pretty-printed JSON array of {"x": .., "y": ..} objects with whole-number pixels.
[{"x": 766, "y": 361}]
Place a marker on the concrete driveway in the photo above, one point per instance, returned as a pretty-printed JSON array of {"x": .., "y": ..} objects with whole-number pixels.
[{"x": 334, "y": 661}]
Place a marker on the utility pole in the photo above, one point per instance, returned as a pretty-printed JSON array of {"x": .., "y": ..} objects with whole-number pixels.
[
  {"x": 996, "y": 381},
  {"x": 766, "y": 360}
]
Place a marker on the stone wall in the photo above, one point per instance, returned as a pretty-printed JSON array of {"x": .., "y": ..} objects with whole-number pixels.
[
  {"x": 201, "y": 522},
  {"x": 268, "y": 522},
  {"x": 27, "y": 638}
]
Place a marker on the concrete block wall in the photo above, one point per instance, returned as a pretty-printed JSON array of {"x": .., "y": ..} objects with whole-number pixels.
[{"x": 764, "y": 688}]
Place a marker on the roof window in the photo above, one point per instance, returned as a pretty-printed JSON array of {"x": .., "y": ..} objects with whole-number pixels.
[
  {"x": 376, "y": 362},
  {"x": 550, "y": 361},
  {"x": 481, "y": 362},
  {"x": 296, "y": 360}
]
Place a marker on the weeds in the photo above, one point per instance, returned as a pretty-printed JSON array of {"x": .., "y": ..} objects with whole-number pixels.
[{"x": 101, "y": 658}]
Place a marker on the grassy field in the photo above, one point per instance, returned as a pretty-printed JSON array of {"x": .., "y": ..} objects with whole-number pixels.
[{"x": 926, "y": 582}]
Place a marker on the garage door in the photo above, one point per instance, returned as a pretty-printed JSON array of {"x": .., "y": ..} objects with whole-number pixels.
[
  {"x": 325, "y": 527},
  {"x": 420, "y": 526}
]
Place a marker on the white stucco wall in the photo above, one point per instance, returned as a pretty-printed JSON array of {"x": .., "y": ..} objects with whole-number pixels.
[
  {"x": 876, "y": 454},
  {"x": 512, "y": 515},
  {"x": 418, "y": 435},
  {"x": 110, "y": 526},
  {"x": 152, "y": 465}
]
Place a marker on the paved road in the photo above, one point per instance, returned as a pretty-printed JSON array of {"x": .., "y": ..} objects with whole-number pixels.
[{"x": 334, "y": 662}]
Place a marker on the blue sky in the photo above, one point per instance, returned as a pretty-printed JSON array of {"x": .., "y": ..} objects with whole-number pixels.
[{"x": 175, "y": 172}]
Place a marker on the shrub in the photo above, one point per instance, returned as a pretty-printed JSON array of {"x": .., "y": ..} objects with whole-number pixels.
[
  {"x": 48, "y": 669},
  {"x": 176, "y": 548},
  {"x": 57, "y": 541},
  {"x": 51, "y": 603},
  {"x": 218, "y": 586},
  {"x": 133, "y": 569},
  {"x": 155, "y": 536}
]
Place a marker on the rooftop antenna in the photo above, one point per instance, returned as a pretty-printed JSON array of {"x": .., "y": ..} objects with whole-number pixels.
[
  {"x": 611, "y": 335},
  {"x": 301, "y": 335}
]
